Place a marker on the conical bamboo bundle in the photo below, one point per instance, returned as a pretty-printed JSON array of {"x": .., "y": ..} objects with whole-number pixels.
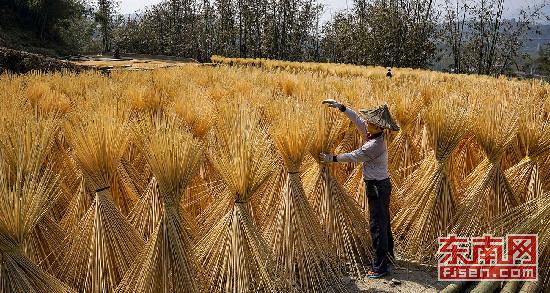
[
  {"x": 28, "y": 190},
  {"x": 341, "y": 217},
  {"x": 147, "y": 212},
  {"x": 77, "y": 208},
  {"x": 298, "y": 242},
  {"x": 102, "y": 246},
  {"x": 532, "y": 218},
  {"x": 198, "y": 116},
  {"x": 233, "y": 253},
  {"x": 23, "y": 142},
  {"x": 467, "y": 156},
  {"x": 404, "y": 148},
  {"x": 136, "y": 168},
  {"x": 42, "y": 244},
  {"x": 488, "y": 193},
  {"x": 429, "y": 201},
  {"x": 351, "y": 141},
  {"x": 167, "y": 263},
  {"x": 70, "y": 176},
  {"x": 534, "y": 138}
]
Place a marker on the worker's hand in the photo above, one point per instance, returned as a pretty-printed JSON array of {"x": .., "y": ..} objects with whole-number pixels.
[
  {"x": 332, "y": 103},
  {"x": 326, "y": 158}
]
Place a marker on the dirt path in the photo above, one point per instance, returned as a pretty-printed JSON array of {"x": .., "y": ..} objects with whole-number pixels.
[{"x": 413, "y": 279}]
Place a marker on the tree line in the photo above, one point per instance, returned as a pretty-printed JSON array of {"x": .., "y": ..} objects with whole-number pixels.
[{"x": 465, "y": 36}]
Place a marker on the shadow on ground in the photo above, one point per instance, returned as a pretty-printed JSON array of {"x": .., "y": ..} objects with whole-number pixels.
[{"x": 413, "y": 279}]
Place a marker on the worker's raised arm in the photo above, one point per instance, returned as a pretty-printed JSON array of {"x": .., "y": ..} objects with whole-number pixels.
[{"x": 359, "y": 123}]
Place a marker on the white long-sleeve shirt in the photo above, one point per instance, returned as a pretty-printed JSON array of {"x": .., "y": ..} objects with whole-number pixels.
[{"x": 373, "y": 153}]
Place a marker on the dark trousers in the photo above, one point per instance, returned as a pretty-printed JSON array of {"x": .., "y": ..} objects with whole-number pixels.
[{"x": 378, "y": 194}]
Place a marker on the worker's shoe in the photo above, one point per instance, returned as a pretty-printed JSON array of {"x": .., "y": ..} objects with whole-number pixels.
[{"x": 376, "y": 275}]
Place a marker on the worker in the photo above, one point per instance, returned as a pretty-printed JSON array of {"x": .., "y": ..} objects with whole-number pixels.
[
  {"x": 374, "y": 156},
  {"x": 389, "y": 74}
]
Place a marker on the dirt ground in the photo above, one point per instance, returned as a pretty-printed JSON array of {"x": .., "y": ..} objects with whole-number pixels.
[{"x": 413, "y": 279}]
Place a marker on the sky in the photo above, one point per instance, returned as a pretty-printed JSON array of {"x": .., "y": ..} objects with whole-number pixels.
[{"x": 331, "y": 6}]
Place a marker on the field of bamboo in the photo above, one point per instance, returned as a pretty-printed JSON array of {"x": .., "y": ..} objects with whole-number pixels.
[{"x": 207, "y": 179}]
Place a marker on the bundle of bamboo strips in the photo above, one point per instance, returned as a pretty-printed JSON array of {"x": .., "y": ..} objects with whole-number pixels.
[
  {"x": 198, "y": 116},
  {"x": 77, "y": 208},
  {"x": 466, "y": 157},
  {"x": 102, "y": 246},
  {"x": 167, "y": 264},
  {"x": 534, "y": 142},
  {"x": 488, "y": 193},
  {"x": 147, "y": 212},
  {"x": 299, "y": 244},
  {"x": 233, "y": 253},
  {"x": 429, "y": 200},
  {"x": 24, "y": 141},
  {"x": 341, "y": 217},
  {"x": 404, "y": 147},
  {"x": 532, "y": 218},
  {"x": 28, "y": 189}
]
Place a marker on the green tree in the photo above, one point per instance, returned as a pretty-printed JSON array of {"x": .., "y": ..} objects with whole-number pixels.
[{"x": 105, "y": 16}]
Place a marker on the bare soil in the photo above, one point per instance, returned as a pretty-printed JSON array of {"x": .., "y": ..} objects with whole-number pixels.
[{"x": 412, "y": 278}]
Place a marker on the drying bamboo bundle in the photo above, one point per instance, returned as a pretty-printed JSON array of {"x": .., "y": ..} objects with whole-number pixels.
[
  {"x": 429, "y": 200},
  {"x": 127, "y": 181},
  {"x": 488, "y": 193},
  {"x": 298, "y": 241},
  {"x": 351, "y": 141},
  {"x": 147, "y": 212},
  {"x": 532, "y": 218},
  {"x": 167, "y": 262},
  {"x": 341, "y": 217},
  {"x": 28, "y": 189},
  {"x": 70, "y": 176},
  {"x": 467, "y": 156},
  {"x": 77, "y": 208},
  {"x": 45, "y": 101},
  {"x": 269, "y": 197},
  {"x": 404, "y": 148},
  {"x": 233, "y": 253},
  {"x": 134, "y": 170},
  {"x": 43, "y": 242},
  {"x": 534, "y": 138},
  {"x": 198, "y": 116},
  {"x": 27, "y": 142},
  {"x": 22, "y": 143},
  {"x": 101, "y": 247}
]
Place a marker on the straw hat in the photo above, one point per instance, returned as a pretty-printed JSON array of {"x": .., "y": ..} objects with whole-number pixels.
[{"x": 380, "y": 116}]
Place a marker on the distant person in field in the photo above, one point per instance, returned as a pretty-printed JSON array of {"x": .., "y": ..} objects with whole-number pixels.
[
  {"x": 374, "y": 156},
  {"x": 389, "y": 74}
]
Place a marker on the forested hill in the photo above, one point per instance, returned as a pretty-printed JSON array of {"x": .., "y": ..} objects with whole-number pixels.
[{"x": 52, "y": 27}]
